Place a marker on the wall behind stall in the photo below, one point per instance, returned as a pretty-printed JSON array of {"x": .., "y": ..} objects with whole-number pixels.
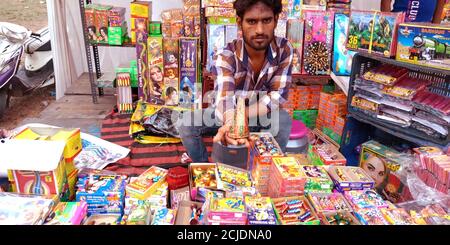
[{"x": 366, "y": 4}]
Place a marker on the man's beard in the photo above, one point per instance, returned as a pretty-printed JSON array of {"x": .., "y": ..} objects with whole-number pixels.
[{"x": 257, "y": 48}]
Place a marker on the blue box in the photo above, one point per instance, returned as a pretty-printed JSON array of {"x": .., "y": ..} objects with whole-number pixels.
[{"x": 342, "y": 57}]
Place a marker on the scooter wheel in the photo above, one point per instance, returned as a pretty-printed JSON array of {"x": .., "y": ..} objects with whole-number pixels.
[{"x": 3, "y": 101}]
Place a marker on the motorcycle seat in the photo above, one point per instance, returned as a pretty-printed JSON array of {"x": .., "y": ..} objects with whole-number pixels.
[{"x": 38, "y": 43}]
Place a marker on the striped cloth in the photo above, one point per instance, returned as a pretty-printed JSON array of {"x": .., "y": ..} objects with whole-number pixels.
[{"x": 115, "y": 128}]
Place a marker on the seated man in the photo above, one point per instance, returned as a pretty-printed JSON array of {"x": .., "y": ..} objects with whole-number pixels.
[
  {"x": 259, "y": 62},
  {"x": 417, "y": 10}
]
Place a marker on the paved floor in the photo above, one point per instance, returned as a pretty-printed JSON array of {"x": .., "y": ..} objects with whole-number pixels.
[{"x": 76, "y": 109}]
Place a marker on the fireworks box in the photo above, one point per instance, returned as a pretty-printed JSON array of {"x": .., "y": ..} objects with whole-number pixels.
[
  {"x": 117, "y": 34},
  {"x": 141, "y": 10},
  {"x": 102, "y": 22},
  {"x": 156, "y": 69},
  {"x": 342, "y": 58},
  {"x": 171, "y": 69},
  {"x": 189, "y": 72},
  {"x": 374, "y": 32},
  {"x": 141, "y": 33},
  {"x": 103, "y": 193},
  {"x": 116, "y": 16},
  {"x": 383, "y": 164},
  {"x": 424, "y": 44},
  {"x": 295, "y": 28},
  {"x": 35, "y": 167},
  {"x": 202, "y": 177},
  {"x": 89, "y": 15},
  {"x": 147, "y": 183},
  {"x": 318, "y": 42}
]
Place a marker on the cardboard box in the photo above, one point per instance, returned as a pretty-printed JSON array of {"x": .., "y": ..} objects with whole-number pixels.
[
  {"x": 202, "y": 176},
  {"x": 342, "y": 58},
  {"x": 378, "y": 39},
  {"x": 103, "y": 193},
  {"x": 184, "y": 213},
  {"x": 102, "y": 22},
  {"x": 318, "y": 44},
  {"x": 70, "y": 136},
  {"x": 117, "y": 34},
  {"x": 348, "y": 178},
  {"x": 382, "y": 164},
  {"x": 424, "y": 44},
  {"x": 89, "y": 15},
  {"x": 142, "y": 58},
  {"x": 295, "y": 28},
  {"x": 189, "y": 71},
  {"x": 139, "y": 9},
  {"x": 147, "y": 182},
  {"x": 314, "y": 219},
  {"x": 171, "y": 71},
  {"x": 35, "y": 167},
  {"x": 155, "y": 69}
]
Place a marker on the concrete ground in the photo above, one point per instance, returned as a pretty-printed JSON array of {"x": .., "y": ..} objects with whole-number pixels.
[{"x": 76, "y": 109}]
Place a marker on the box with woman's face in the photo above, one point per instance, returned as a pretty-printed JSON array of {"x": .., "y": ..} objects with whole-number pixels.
[{"x": 384, "y": 165}]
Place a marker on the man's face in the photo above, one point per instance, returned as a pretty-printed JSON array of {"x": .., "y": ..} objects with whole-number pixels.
[
  {"x": 155, "y": 74},
  {"x": 258, "y": 26}
]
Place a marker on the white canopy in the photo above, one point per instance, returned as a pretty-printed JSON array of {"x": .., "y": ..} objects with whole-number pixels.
[{"x": 69, "y": 54}]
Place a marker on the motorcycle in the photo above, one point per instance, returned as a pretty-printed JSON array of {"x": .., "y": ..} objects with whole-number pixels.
[{"x": 37, "y": 71}]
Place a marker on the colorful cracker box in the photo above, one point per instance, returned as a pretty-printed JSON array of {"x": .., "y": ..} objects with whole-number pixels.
[
  {"x": 103, "y": 193},
  {"x": 89, "y": 16},
  {"x": 286, "y": 178},
  {"x": 338, "y": 218},
  {"x": 374, "y": 32},
  {"x": 164, "y": 216},
  {"x": 233, "y": 175},
  {"x": 382, "y": 164},
  {"x": 116, "y": 16},
  {"x": 67, "y": 213},
  {"x": 202, "y": 175},
  {"x": 155, "y": 69},
  {"x": 371, "y": 216},
  {"x": 216, "y": 41},
  {"x": 342, "y": 58},
  {"x": 317, "y": 179},
  {"x": 424, "y": 44},
  {"x": 314, "y": 4},
  {"x": 295, "y": 28},
  {"x": 318, "y": 42},
  {"x": 330, "y": 202},
  {"x": 171, "y": 71},
  {"x": 141, "y": 38},
  {"x": 139, "y": 9},
  {"x": 147, "y": 182},
  {"x": 136, "y": 212},
  {"x": 102, "y": 22},
  {"x": 189, "y": 72},
  {"x": 260, "y": 211},
  {"x": 39, "y": 169},
  {"x": 116, "y": 34},
  {"x": 227, "y": 211},
  {"x": 365, "y": 199},
  {"x": 348, "y": 178},
  {"x": 294, "y": 211},
  {"x": 179, "y": 195},
  {"x": 263, "y": 148}
]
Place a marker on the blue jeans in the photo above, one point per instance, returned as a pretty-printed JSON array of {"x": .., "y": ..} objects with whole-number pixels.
[{"x": 191, "y": 135}]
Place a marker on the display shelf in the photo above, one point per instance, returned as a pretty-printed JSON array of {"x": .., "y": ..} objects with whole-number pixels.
[
  {"x": 414, "y": 136},
  {"x": 126, "y": 45},
  {"x": 440, "y": 84},
  {"x": 342, "y": 81}
]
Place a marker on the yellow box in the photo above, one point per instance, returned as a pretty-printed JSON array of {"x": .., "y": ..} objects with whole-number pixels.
[
  {"x": 147, "y": 183},
  {"x": 71, "y": 136},
  {"x": 141, "y": 9}
]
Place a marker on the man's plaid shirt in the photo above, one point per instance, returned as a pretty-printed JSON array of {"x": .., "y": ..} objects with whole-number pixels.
[{"x": 233, "y": 74}]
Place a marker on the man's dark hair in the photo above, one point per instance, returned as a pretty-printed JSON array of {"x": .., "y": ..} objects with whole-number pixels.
[
  {"x": 170, "y": 90},
  {"x": 242, "y": 5}
]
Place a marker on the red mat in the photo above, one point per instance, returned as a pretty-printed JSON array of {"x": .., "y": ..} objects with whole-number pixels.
[{"x": 115, "y": 128}]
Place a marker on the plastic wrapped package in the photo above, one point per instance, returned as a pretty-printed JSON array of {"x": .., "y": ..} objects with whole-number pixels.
[{"x": 21, "y": 209}]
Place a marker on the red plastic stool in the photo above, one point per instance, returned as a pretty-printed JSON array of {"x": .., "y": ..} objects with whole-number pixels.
[{"x": 298, "y": 140}]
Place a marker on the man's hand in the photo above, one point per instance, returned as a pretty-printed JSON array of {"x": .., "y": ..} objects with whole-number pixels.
[{"x": 222, "y": 136}]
